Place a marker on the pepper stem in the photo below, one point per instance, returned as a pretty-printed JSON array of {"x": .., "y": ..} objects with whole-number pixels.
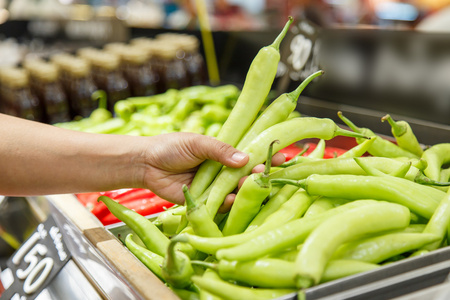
[
  {"x": 296, "y": 93},
  {"x": 397, "y": 129},
  {"x": 190, "y": 202},
  {"x": 171, "y": 261},
  {"x": 422, "y": 179},
  {"x": 344, "y": 132},
  {"x": 269, "y": 159},
  {"x": 100, "y": 96},
  {"x": 204, "y": 264},
  {"x": 349, "y": 123},
  {"x": 276, "y": 43},
  {"x": 299, "y": 183}
]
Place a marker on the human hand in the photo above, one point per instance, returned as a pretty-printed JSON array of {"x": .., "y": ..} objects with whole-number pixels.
[{"x": 173, "y": 159}]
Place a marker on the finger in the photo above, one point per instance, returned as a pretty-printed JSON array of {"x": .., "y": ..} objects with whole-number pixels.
[
  {"x": 210, "y": 148},
  {"x": 278, "y": 159},
  {"x": 258, "y": 168},
  {"x": 226, "y": 205},
  {"x": 241, "y": 181}
]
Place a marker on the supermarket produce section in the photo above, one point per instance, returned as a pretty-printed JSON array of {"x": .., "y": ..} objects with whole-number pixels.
[{"x": 355, "y": 212}]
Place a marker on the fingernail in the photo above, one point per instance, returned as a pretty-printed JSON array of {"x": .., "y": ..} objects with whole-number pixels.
[{"x": 238, "y": 156}]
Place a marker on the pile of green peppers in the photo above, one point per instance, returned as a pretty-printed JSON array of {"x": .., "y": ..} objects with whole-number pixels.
[
  {"x": 306, "y": 222},
  {"x": 198, "y": 109}
]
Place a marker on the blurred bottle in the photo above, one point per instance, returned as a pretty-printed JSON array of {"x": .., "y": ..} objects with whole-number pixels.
[
  {"x": 188, "y": 51},
  {"x": 46, "y": 85},
  {"x": 105, "y": 67},
  {"x": 78, "y": 84},
  {"x": 16, "y": 96},
  {"x": 136, "y": 68},
  {"x": 171, "y": 70}
]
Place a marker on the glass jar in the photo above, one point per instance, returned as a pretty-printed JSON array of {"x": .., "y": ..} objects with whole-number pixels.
[
  {"x": 79, "y": 86},
  {"x": 192, "y": 58},
  {"x": 108, "y": 77},
  {"x": 136, "y": 69},
  {"x": 16, "y": 96},
  {"x": 46, "y": 86},
  {"x": 171, "y": 70}
]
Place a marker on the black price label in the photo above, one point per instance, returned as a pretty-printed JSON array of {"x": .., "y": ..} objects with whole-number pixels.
[
  {"x": 299, "y": 54},
  {"x": 36, "y": 262}
]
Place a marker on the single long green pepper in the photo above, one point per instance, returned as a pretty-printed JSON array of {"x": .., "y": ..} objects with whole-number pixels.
[
  {"x": 255, "y": 189},
  {"x": 380, "y": 147},
  {"x": 403, "y": 134},
  {"x": 278, "y": 111},
  {"x": 198, "y": 217},
  {"x": 286, "y": 132},
  {"x": 148, "y": 232},
  {"x": 257, "y": 85}
]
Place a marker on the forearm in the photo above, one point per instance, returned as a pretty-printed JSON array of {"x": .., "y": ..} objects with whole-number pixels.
[{"x": 38, "y": 159}]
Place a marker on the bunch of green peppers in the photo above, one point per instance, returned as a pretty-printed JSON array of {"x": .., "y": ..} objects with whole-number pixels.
[
  {"x": 293, "y": 227},
  {"x": 198, "y": 109}
]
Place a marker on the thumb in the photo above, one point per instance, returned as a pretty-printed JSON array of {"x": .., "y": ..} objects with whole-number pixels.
[{"x": 224, "y": 153}]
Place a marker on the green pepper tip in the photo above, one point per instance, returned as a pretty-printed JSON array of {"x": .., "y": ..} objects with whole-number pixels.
[
  {"x": 280, "y": 37},
  {"x": 296, "y": 93}
]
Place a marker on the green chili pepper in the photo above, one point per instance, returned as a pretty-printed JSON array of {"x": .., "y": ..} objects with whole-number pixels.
[
  {"x": 249, "y": 198},
  {"x": 184, "y": 294},
  {"x": 214, "y": 113},
  {"x": 286, "y": 132},
  {"x": 323, "y": 204},
  {"x": 177, "y": 269},
  {"x": 107, "y": 127},
  {"x": 340, "y": 268},
  {"x": 168, "y": 220},
  {"x": 256, "y": 87},
  {"x": 319, "y": 151},
  {"x": 198, "y": 217},
  {"x": 124, "y": 109},
  {"x": 278, "y": 111},
  {"x": 193, "y": 123},
  {"x": 204, "y": 295},
  {"x": 445, "y": 175},
  {"x": 359, "y": 149},
  {"x": 182, "y": 109},
  {"x": 264, "y": 272},
  {"x": 420, "y": 199},
  {"x": 213, "y": 129},
  {"x": 400, "y": 172},
  {"x": 100, "y": 114},
  {"x": 292, "y": 209},
  {"x": 335, "y": 166},
  {"x": 150, "y": 235},
  {"x": 439, "y": 222},
  {"x": 287, "y": 208},
  {"x": 230, "y": 291},
  {"x": 151, "y": 260},
  {"x": 436, "y": 156},
  {"x": 380, "y": 248},
  {"x": 296, "y": 159},
  {"x": 403, "y": 134},
  {"x": 346, "y": 226},
  {"x": 283, "y": 237},
  {"x": 380, "y": 147}
]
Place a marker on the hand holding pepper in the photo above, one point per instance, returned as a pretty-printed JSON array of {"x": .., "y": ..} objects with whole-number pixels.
[
  {"x": 40, "y": 159},
  {"x": 172, "y": 159}
]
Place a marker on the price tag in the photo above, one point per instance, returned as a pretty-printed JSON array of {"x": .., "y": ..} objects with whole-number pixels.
[
  {"x": 36, "y": 262},
  {"x": 299, "y": 54}
]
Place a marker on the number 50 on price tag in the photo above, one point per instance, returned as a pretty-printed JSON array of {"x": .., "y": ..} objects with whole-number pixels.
[{"x": 36, "y": 262}]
